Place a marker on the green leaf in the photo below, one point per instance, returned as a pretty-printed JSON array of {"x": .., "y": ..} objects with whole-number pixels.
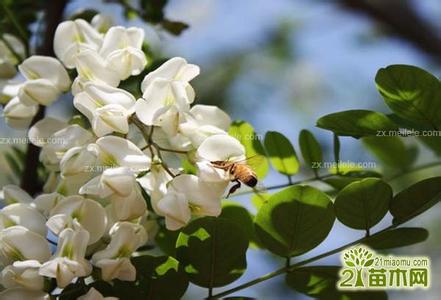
[
  {"x": 356, "y": 123},
  {"x": 246, "y": 135},
  {"x": 433, "y": 143},
  {"x": 391, "y": 151},
  {"x": 166, "y": 240},
  {"x": 259, "y": 199},
  {"x": 311, "y": 149},
  {"x": 189, "y": 167},
  {"x": 340, "y": 181},
  {"x": 155, "y": 275},
  {"x": 362, "y": 204},
  {"x": 395, "y": 238},
  {"x": 294, "y": 220},
  {"x": 281, "y": 153},
  {"x": 416, "y": 199},
  {"x": 412, "y": 93},
  {"x": 212, "y": 251},
  {"x": 174, "y": 27},
  {"x": 73, "y": 291},
  {"x": 320, "y": 282},
  {"x": 240, "y": 216}
]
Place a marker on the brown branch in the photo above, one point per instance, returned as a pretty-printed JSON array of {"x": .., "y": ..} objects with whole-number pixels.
[
  {"x": 53, "y": 16},
  {"x": 399, "y": 17}
]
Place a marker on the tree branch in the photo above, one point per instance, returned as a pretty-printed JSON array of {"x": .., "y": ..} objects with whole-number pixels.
[
  {"x": 400, "y": 18},
  {"x": 53, "y": 16},
  {"x": 292, "y": 267}
]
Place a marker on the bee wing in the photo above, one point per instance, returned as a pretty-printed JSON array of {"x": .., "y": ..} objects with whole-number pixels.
[
  {"x": 253, "y": 161},
  {"x": 260, "y": 188}
]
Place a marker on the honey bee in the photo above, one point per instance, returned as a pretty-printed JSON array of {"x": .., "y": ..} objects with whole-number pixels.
[{"x": 240, "y": 172}]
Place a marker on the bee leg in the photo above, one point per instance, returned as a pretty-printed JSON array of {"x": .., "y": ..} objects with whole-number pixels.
[{"x": 234, "y": 188}]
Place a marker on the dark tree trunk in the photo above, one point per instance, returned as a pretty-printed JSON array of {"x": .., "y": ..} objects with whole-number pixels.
[{"x": 53, "y": 16}]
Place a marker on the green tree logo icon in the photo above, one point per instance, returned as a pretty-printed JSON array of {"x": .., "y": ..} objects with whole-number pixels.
[{"x": 358, "y": 258}]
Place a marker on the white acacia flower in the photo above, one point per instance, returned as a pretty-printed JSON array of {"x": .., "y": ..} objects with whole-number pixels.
[
  {"x": 18, "y": 243},
  {"x": 8, "y": 90},
  {"x": 93, "y": 294},
  {"x": 14, "y": 194},
  {"x": 70, "y": 185},
  {"x": 91, "y": 67},
  {"x": 46, "y": 80},
  {"x": 122, "y": 50},
  {"x": 56, "y": 138},
  {"x": 101, "y": 22},
  {"x": 155, "y": 183},
  {"x": 76, "y": 161},
  {"x": 218, "y": 148},
  {"x": 89, "y": 214},
  {"x": 203, "y": 121},
  {"x": 175, "y": 69},
  {"x": 73, "y": 36},
  {"x": 131, "y": 206},
  {"x": 106, "y": 107},
  {"x": 44, "y": 203},
  {"x": 120, "y": 185},
  {"x": 160, "y": 96},
  {"x": 61, "y": 142},
  {"x": 7, "y": 58},
  {"x": 46, "y": 67},
  {"x": 22, "y": 274},
  {"x": 113, "y": 151},
  {"x": 23, "y": 215},
  {"x": 17, "y": 115},
  {"x": 22, "y": 293},
  {"x": 114, "y": 261},
  {"x": 68, "y": 262},
  {"x": 188, "y": 195}
]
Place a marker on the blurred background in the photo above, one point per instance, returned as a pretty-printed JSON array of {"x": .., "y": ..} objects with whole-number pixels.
[{"x": 280, "y": 65}]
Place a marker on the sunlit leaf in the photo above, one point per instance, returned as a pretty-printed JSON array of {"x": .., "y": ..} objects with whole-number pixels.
[
  {"x": 294, "y": 220},
  {"x": 245, "y": 134},
  {"x": 281, "y": 153},
  {"x": 259, "y": 199},
  {"x": 412, "y": 93}
]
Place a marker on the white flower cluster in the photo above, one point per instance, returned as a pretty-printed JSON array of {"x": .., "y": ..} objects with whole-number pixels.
[{"x": 94, "y": 205}]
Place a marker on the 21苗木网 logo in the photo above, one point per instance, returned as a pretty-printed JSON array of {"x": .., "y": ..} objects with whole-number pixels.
[{"x": 363, "y": 269}]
